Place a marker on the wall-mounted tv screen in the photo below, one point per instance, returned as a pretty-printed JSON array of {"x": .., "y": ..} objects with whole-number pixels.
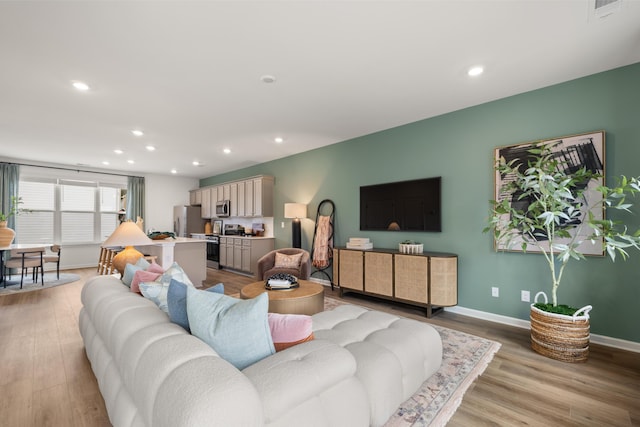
[{"x": 404, "y": 206}]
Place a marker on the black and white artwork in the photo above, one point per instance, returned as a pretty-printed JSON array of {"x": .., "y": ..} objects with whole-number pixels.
[{"x": 575, "y": 152}]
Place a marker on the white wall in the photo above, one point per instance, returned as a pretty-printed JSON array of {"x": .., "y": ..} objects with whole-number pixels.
[{"x": 162, "y": 193}]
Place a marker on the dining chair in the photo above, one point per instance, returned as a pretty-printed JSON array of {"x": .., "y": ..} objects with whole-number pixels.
[
  {"x": 54, "y": 257},
  {"x": 24, "y": 259}
]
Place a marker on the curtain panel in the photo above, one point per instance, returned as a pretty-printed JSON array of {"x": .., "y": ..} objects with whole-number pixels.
[
  {"x": 9, "y": 179},
  {"x": 135, "y": 197}
]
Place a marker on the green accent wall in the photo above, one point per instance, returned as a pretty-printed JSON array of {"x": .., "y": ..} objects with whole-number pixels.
[{"x": 459, "y": 147}]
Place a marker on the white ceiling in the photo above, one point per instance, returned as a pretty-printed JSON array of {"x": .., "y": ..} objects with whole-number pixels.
[{"x": 188, "y": 73}]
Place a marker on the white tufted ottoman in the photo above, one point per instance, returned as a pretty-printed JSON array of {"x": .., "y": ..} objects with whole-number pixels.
[{"x": 394, "y": 355}]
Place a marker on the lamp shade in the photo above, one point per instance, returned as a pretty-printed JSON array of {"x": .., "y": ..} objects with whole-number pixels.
[
  {"x": 128, "y": 234},
  {"x": 295, "y": 210}
]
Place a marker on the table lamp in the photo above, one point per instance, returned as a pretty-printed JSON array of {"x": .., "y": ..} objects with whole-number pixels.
[
  {"x": 128, "y": 234},
  {"x": 295, "y": 211}
]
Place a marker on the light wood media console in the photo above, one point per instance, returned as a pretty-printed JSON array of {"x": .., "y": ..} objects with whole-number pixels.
[{"x": 428, "y": 280}]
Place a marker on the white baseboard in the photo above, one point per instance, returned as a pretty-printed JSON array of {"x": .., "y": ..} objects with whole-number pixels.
[{"x": 512, "y": 321}]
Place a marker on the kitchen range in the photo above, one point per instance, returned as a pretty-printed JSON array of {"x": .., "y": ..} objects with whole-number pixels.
[
  {"x": 213, "y": 243},
  {"x": 237, "y": 248}
]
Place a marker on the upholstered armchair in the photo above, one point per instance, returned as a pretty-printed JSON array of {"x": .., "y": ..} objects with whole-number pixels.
[{"x": 267, "y": 265}]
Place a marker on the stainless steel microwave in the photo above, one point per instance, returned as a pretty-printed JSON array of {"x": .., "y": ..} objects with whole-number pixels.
[{"x": 223, "y": 208}]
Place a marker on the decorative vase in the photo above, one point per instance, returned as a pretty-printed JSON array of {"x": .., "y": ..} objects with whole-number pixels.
[
  {"x": 558, "y": 336},
  {"x": 6, "y": 235}
]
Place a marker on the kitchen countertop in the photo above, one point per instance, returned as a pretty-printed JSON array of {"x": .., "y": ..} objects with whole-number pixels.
[
  {"x": 177, "y": 240},
  {"x": 248, "y": 237},
  {"x": 231, "y": 235}
]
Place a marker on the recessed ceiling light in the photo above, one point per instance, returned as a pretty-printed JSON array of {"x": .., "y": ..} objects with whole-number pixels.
[
  {"x": 174, "y": 171},
  {"x": 82, "y": 86},
  {"x": 196, "y": 163},
  {"x": 118, "y": 151},
  {"x": 475, "y": 71},
  {"x": 278, "y": 140},
  {"x": 105, "y": 163},
  {"x": 226, "y": 151},
  {"x": 268, "y": 79},
  {"x": 150, "y": 148},
  {"x": 137, "y": 132},
  {"x": 130, "y": 162}
]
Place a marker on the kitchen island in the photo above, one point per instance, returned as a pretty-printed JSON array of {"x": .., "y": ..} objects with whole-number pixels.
[{"x": 190, "y": 254}]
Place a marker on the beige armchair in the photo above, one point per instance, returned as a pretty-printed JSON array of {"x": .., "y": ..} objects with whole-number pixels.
[{"x": 267, "y": 267}]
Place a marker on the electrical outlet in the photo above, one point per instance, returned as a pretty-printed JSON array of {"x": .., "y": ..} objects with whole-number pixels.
[
  {"x": 524, "y": 296},
  {"x": 495, "y": 292},
  {"x": 282, "y": 224}
]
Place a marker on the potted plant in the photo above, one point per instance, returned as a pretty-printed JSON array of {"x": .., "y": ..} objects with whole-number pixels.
[
  {"x": 544, "y": 205},
  {"x": 7, "y": 234}
]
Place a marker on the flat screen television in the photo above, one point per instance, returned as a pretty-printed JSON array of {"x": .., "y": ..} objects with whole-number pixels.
[{"x": 405, "y": 206}]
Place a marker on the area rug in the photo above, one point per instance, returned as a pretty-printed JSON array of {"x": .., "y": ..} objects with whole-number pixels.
[
  {"x": 50, "y": 280},
  {"x": 465, "y": 357}
]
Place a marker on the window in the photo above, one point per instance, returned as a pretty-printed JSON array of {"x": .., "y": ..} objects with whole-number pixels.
[
  {"x": 67, "y": 211},
  {"x": 36, "y": 226}
]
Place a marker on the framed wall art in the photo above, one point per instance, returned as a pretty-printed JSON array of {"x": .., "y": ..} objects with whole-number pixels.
[
  {"x": 217, "y": 226},
  {"x": 572, "y": 152}
]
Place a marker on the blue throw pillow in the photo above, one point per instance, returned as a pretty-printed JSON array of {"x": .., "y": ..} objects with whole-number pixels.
[
  {"x": 143, "y": 263},
  {"x": 238, "y": 330},
  {"x": 177, "y": 302},
  {"x": 129, "y": 272}
]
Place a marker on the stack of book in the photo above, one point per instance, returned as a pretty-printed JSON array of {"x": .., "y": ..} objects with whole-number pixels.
[
  {"x": 361, "y": 243},
  {"x": 279, "y": 284}
]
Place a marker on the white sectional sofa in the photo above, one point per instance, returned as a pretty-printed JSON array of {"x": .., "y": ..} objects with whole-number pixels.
[{"x": 151, "y": 372}]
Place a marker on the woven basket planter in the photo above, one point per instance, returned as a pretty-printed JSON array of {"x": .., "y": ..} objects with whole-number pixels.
[{"x": 560, "y": 337}]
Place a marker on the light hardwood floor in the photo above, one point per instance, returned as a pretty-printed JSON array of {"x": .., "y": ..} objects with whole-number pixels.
[{"x": 46, "y": 380}]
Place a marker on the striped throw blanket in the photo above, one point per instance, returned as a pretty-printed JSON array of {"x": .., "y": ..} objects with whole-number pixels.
[{"x": 323, "y": 243}]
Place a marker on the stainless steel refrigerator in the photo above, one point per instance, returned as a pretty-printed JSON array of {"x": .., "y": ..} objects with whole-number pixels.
[{"x": 187, "y": 220}]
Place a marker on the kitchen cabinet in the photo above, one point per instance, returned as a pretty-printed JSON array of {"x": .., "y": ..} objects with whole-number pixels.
[
  {"x": 195, "y": 197},
  {"x": 259, "y": 196},
  {"x": 242, "y": 253},
  {"x": 252, "y": 197},
  {"x": 248, "y": 198},
  {"x": 205, "y": 206},
  {"x": 237, "y": 254},
  {"x": 240, "y": 201},
  {"x": 233, "y": 199},
  {"x": 223, "y": 251},
  {"x": 245, "y": 265},
  {"x": 428, "y": 280}
]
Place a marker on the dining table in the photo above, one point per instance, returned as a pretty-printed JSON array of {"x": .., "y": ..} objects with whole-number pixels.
[{"x": 19, "y": 247}]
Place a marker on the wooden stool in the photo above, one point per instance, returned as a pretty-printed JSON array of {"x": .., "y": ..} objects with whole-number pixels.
[{"x": 105, "y": 262}]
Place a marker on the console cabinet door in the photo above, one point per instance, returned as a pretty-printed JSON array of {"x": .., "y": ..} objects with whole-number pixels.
[
  {"x": 444, "y": 281},
  {"x": 411, "y": 278},
  {"x": 378, "y": 273},
  {"x": 352, "y": 270}
]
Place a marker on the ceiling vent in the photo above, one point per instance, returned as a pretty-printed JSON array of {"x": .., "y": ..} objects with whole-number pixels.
[{"x": 604, "y": 8}]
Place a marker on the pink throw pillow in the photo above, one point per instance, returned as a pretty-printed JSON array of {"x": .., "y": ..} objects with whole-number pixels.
[
  {"x": 288, "y": 330},
  {"x": 143, "y": 276},
  {"x": 154, "y": 267}
]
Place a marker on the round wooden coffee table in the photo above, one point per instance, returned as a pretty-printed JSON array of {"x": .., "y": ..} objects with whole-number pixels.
[{"x": 308, "y": 298}]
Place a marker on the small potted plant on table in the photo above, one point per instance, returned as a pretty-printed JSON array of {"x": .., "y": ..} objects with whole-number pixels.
[
  {"x": 7, "y": 234},
  {"x": 544, "y": 206}
]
